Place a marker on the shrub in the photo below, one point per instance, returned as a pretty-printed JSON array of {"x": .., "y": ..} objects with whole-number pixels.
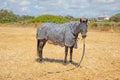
[
  {"x": 49, "y": 18},
  {"x": 107, "y": 24},
  {"x": 94, "y": 25}
]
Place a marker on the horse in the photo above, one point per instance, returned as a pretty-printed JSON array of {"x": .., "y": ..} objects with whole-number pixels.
[{"x": 61, "y": 34}]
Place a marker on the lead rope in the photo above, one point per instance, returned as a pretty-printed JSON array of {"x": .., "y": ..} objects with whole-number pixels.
[{"x": 83, "y": 52}]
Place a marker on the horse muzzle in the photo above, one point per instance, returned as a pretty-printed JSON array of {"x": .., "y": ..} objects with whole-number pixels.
[{"x": 83, "y": 36}]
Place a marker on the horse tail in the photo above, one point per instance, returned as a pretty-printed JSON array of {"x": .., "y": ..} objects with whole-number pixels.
[
  {"x": 37, "y": 46},
  {"x": 37, "y": 43}
]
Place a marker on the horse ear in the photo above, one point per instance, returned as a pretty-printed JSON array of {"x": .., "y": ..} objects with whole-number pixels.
[
  {"x": 83, "y": 20},
  {"x": 80, "y": 20},
  {"x": 86, "y": 20}
]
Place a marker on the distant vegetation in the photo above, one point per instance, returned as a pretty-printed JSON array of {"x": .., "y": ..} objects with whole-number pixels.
[
  {"x": 8, "y": 17},
  {"x": 49, "y": 18},
  {"x": 115, "y": 18}
]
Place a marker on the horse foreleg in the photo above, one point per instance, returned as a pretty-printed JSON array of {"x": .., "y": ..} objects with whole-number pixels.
[
  {"x": 66, "y": 52},
  {"x": 71, "y": 52}
]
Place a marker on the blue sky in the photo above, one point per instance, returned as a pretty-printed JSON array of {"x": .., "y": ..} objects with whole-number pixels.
[{"x": 75, "y": 8}]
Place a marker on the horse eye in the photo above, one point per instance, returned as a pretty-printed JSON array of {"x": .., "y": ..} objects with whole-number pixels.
[{"x": 81, "y": 31}]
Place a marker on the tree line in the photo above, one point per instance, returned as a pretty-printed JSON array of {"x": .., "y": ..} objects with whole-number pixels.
[
  {"x": 9, "y": 17},
  {"x": 50, "y": 18}
]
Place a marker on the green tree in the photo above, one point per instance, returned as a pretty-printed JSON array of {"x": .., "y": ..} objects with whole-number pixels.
[
  {"x": 115, "y": 18},
  {"x": 7, "y": 16}
]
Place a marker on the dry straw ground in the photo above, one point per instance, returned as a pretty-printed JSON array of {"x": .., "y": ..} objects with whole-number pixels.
[{"x": 18, "y": 57}]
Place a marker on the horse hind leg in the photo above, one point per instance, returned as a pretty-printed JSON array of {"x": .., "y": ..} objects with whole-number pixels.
[
  {"x": 66, "y": 53},
  {"x": 40, "y": 45},
  {"x": 71, "y": 52}
]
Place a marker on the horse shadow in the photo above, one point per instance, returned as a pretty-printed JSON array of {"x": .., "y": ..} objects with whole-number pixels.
[{"x": 55, "y": 61}]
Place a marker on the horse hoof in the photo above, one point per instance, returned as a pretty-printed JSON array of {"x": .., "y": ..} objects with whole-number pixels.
[
  {"x": 70, "y": 61},
  {"x": 65, "y": 63},
  {"x": 40, "y": 60}
]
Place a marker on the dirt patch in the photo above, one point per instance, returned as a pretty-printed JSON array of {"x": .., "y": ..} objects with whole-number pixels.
[{"x": 18, "y": 57}]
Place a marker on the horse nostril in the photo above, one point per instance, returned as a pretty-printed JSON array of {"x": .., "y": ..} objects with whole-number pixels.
[{"x": 83, "y": 36}]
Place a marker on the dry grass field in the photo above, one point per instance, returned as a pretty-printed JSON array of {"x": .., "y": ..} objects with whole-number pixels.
[{"x": 18, "y": 57}]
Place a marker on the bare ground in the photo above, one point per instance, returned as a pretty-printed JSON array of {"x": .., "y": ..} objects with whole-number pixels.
[{"x": 18, "y": 57}]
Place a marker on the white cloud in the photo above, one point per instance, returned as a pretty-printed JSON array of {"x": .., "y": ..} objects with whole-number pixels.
[
  {"x": 76, "y": 8},
  {"x": 24, "y": 8},
  {"x": 106, "y": 1},
  {"x": 24, "y": 3},
  {"x": 12, "y": 1},
  {"x": 35, "y": 0},
  {"x": 39, "y": 7}
]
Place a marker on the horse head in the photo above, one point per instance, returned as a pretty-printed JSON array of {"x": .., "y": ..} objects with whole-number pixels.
[{"x": 83, "y": 27}]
